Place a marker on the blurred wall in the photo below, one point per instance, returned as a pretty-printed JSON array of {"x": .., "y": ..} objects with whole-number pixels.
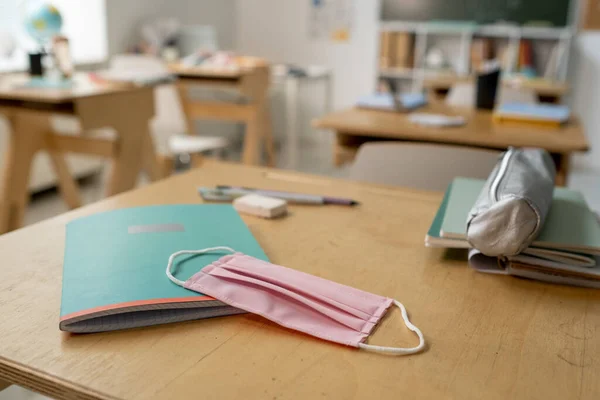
[
  {"x": 585, "y": 94},
  {"x": 123, "y": 18},
  {"x": 278, "y": 30}
]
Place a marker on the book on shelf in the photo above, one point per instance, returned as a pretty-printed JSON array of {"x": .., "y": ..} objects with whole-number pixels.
[{"x": 396, "y": 50}]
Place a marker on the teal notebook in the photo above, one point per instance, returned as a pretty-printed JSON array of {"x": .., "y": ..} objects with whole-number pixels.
[
  {"x": 114, "y": 265},
  {"x": 433, "y": 237},
  {"x": 570, "y": 225}
]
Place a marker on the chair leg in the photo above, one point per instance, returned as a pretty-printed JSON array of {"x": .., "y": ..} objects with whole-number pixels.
[
  {"x": 166, "y": 165},
  {"x": 196, "y": 160},
  {"x": 267, "y": 130},
  {"x": 250, "y": 154}
]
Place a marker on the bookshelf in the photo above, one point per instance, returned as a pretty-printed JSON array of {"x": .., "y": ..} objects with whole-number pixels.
[{"x": 457, "y": 42}]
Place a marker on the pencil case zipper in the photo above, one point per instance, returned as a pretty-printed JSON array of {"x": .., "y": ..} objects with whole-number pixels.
[{"x": 500, "y": 175}]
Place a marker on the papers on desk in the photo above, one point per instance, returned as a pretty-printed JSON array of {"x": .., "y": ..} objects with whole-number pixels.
[
  {"x": 439, "y": 120},
  {"x": 386, "y": 102}
]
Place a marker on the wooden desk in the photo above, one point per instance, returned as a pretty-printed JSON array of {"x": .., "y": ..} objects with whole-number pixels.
[
  {"x": 251, "y": 80},
  {"x": 354, "y": 127},
  {"x": 28, "y": 110},
  {"x": 489, "y": 337}
]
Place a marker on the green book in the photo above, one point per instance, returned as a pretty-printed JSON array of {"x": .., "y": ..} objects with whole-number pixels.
[
  {"x": 115, "y": 262},
  {"x": 570, "y": 225},
  {"x": 433, "y": 237}
]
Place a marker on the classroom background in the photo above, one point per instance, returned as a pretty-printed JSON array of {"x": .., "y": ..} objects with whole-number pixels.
[{"x": 389, "y": 92}]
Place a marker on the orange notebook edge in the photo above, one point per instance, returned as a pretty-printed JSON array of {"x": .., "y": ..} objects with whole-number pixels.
[{"x": 135, "y": 303}]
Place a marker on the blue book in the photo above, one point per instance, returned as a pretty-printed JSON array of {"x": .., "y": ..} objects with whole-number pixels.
[
  {"x": 115, "y": 262},
  {"x": 537, "y": 112},
  {"x": 385, "y": 101}
]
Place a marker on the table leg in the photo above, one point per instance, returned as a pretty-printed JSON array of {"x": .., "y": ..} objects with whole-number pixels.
[
  {"x": 27, "y": 133},
  {"x": 250, "y": 154},
  {"x": 128, "y": 113},
  {"x": 345, "y": 147},
  {"x": 184, "y": 98},
  {"x": 3, "y": 385},
  {"x": 291, "y": 117},
  {"x": 127, "y": 163},
  {"x": 337, "y": 157},
  {"x": 563, "y": 166},
  {"x": 267, "y": 130},
  {"x": 152, "y": 165}
]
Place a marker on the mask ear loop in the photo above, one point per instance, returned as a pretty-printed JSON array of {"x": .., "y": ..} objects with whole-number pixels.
[
  {"x": 183, "y": 252},
  {"x": 399, "y": 350}
]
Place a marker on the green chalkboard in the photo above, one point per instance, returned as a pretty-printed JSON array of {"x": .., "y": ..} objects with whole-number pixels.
[{"x": 481, "y": 11}]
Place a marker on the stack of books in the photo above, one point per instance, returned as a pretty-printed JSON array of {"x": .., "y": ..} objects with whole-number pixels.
[
  {"x": 566, "y": 251},
  {"x": 549, "y": 115}
]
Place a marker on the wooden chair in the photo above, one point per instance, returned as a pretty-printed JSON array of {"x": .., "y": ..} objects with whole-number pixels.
[
  {"x": 170, "y": 130},
  {"x": 251, "y": 81},
  {"x": 420, "y": 165}
]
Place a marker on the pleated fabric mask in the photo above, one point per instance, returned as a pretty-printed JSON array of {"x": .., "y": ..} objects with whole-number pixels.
[{"x": 295, "y": 300}]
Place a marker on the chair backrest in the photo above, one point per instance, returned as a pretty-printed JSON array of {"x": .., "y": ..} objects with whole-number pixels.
[
  {"x": 462, "y": 94},
  {"x": 420, "y": 165}
]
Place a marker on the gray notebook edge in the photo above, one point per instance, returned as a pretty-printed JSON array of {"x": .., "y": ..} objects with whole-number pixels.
[
  {"x": 544, "y": 271},
  {"x": 146, "y": 315}
]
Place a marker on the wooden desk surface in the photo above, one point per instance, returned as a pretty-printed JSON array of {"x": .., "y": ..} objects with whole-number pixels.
[
  {"x": 479, "y": 131},
  {"x": 12, "y": 88},
  {"x": 489, "y": 337}
]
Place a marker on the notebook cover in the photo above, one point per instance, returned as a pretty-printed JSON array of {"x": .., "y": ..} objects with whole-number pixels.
[
  {"x": 433, "y": 237},
  {"x": 115, "y": 263},
  {"x": 570, "y": 224}
]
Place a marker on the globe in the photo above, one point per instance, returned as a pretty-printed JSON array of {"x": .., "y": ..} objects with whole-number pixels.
[{"x": 43, "y": 21}]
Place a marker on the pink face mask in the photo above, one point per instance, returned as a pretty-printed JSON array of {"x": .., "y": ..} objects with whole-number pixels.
[{"x": 293, "y": 299}]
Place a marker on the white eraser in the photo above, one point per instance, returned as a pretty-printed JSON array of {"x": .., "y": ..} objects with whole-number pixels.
[{"x": 261, "y": 206}]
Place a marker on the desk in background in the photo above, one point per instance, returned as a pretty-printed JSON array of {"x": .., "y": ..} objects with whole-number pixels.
[
  {"x": 354, "y": 127},
  {"x": 495, "y": 337},
  {"x": 251, "y": 79},
  {"x": 28, "y": 110}
]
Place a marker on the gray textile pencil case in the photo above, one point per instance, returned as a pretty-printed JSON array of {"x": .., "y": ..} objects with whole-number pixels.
[{"x": 513, "y": 204}]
